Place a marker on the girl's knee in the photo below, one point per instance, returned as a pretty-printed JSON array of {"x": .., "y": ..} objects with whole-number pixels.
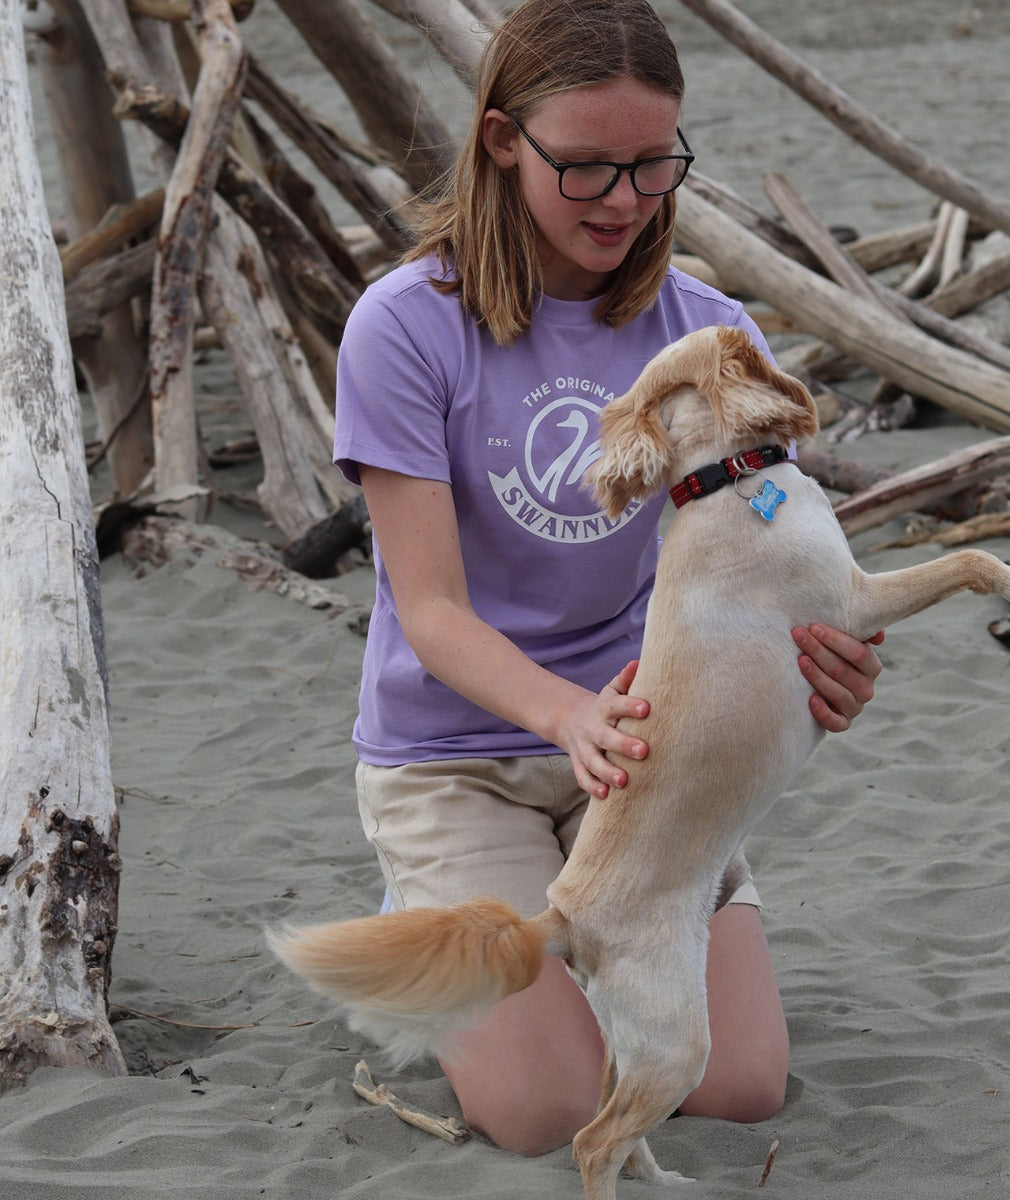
[
  {"x": 753, "y": 1091},
  {"x": 530, "y": 1126}
]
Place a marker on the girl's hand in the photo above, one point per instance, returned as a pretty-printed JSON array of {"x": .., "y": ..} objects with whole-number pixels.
[
  {"x": 841, "y": 670},
  {"x": 591, "y": 731}
]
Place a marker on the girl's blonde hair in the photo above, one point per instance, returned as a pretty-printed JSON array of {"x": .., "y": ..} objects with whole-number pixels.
[{"x": 480, "y": 224}]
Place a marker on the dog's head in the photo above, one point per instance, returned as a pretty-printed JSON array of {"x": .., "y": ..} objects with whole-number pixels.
[{"x": 711, "y": 390}]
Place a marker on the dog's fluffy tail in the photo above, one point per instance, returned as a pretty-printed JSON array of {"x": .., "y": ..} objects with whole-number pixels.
[{"x": 409, "y": 980}]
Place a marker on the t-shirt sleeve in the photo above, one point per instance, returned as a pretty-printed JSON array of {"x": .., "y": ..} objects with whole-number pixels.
[{"x": 392, "y": 397}]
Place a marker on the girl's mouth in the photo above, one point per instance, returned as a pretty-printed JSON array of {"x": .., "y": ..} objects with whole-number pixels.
[{"x": 606, "y": 235}]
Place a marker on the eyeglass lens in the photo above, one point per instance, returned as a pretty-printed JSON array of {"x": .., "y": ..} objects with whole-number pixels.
[{"x": 650, "y": 177}]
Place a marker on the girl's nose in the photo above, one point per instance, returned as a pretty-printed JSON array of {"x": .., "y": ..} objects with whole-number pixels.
[{"x": 622, "y": 194}]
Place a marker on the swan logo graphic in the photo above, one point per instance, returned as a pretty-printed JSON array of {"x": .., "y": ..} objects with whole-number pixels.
[{"x": 548, "y": 497}]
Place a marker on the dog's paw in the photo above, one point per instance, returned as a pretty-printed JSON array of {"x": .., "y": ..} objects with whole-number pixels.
[{"x": 641, "y": 1165}]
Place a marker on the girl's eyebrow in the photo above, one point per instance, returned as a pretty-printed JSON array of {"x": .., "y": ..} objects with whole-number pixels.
[{"x": 595, "y": 154}]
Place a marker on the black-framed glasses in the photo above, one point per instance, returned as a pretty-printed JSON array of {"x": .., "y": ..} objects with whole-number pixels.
[{"x": 591, "y": 180}]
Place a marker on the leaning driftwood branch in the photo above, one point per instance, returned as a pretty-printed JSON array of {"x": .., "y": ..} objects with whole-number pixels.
[
  {"x": 59, "y": 864},
  {"x": 851, "y": 117},
  {"x": 393, "y": 110},
  {"x": 185, "y": 225},
  {"x": 457, "y": 31},
  {"x": 851, "y": 276},
  {"x": 860, "y": 328},
  {"x": 121, "y": 224},
  {"x": 922, "y": 487},
  {"x": 744, "y": 213},
  {"x": 832, "y": 256},
  {"x": 248, "y": 317},
  {"x": 303, "y": 199},
  {"x": 325, "y": 295},
  {"x": 317, "y": 140},
  {"x": 103, "y": 286}
]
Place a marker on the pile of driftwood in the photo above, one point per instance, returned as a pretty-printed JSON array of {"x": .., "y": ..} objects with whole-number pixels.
[
  {"x": 237, "y": 248},
  {"x": 239, "y": 228}
]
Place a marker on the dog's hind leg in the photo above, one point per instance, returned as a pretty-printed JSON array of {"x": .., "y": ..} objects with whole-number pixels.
[
  {"x": 651, "y": 1082},
  {"x": 641, "y": 1165},
  {"x": 643, "y": 1097}
]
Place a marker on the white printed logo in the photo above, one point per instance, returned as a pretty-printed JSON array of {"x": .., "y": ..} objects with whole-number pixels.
[{"x": 549, "y": 498}]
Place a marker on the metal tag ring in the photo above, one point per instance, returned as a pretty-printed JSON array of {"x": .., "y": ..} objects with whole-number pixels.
[{"x": 743, "y": 472}]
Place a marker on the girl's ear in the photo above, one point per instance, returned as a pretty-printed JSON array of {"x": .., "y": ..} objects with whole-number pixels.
[{"x": 499, "y": 136}]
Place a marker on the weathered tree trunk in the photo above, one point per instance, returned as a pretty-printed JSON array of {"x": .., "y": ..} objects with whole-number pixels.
[
  {"x": 96, "y": 175},
  {"x": 59, "y": 867}
]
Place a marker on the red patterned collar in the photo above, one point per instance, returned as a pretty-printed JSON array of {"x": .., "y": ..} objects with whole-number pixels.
[{"x": 712, "y": 477}]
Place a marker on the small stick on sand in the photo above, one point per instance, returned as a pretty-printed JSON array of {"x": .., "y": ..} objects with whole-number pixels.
[
  {"x": 449, "y": 1129},
  {"x": 768, "y": 1162}
]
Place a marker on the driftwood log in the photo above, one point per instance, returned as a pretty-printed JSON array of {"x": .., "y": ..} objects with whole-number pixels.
[
  {"x": 59, "y": 865},
  {"x": 942, "y": 494},
  {"x": 239, "y": 297},
  {"x": 148, "y": 539},
  {"x": 393, "y": 110},
  {"x": 321, "y": 144},
  {"x": 854, "y": 120},
  {"x": 922, "y": 487}
]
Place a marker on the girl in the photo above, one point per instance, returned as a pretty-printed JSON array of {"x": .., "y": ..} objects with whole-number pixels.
[{"x": 509, "y": 612}]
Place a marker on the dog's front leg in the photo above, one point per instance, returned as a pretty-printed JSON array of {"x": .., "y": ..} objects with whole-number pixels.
[{"x": 879, "y": 600}]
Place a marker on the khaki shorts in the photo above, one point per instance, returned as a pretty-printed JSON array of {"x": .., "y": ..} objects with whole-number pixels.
[{"x": 449, "y": 830}]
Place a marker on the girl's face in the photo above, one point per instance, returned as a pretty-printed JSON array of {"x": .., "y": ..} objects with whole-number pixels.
[{"x": 582, "y": 242}]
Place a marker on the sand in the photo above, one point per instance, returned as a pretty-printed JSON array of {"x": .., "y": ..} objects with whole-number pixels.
[{"x": 885, "y": 870}]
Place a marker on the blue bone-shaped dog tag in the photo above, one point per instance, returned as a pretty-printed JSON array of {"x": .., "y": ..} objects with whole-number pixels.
[{"x": 767, "y": 500}]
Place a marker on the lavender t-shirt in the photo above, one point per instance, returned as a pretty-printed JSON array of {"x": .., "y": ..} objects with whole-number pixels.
[{"x": 421, "y": 390}]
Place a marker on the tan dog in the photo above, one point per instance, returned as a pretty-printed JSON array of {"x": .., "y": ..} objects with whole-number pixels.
[{"x": 730, "y": 726}]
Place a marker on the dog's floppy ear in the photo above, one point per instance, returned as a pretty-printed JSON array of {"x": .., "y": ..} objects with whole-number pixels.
[
  {"x": 635, "y": 446},
  {"x": 750, "y": 397}
]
